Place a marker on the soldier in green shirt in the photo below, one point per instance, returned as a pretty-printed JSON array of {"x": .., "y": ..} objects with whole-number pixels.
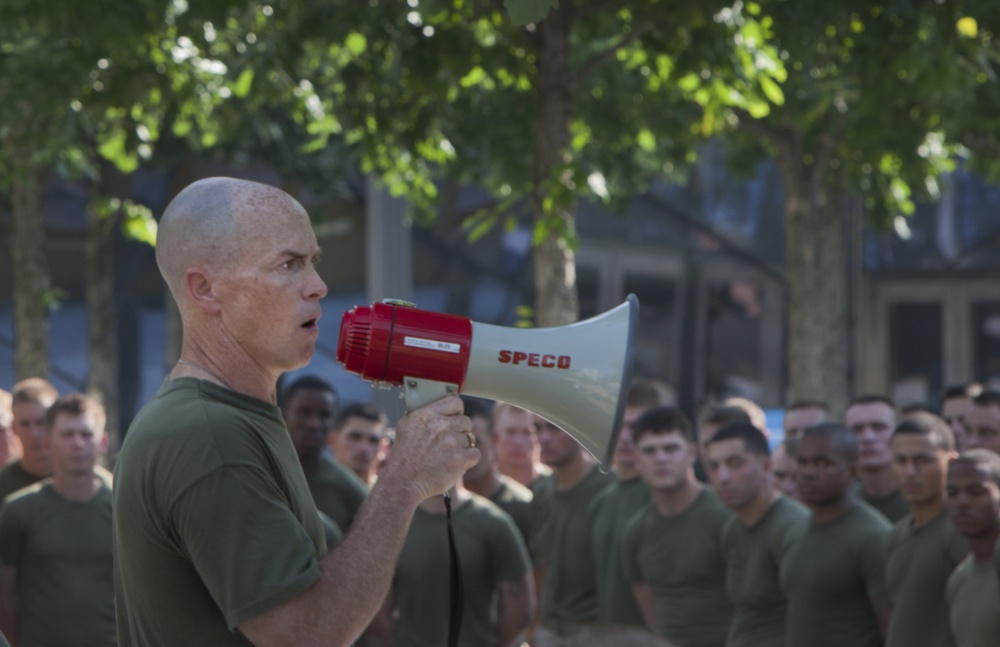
[
  {"x": 872, "y": 419},
  {"x": 673, "y": 547},
  {"x": 307, "y": 406},
  {"x": 923, "y": 547},
  {"x": 515, "y": 436},
  {"x": 29, "y": 401},
  {"x": 955, "y": 403},
  {"x": 834, "y": 573},
  {"x": 560, "y": 535},
  {"x": 611, "y": 510},
  {"x": 484, "y": 478},
  {"x": 56, "y": 577},
  {"x": 216, "y": 537},
  {"x": 499, "y": 594},
  {"x": 973, "y": 590},
  {"x": 757, "y": 539},
  {"x": 358, "y": 438}
]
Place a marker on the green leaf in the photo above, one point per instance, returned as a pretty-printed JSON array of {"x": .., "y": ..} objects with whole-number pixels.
[
  {"x": 242, "y": 86},
  {"x": 524, "y": 12},
  {"x": 113, "y": 150},
  {"x": 139, "y": 224},
  {"x": 772, "y": 90},
  {"x": 356, "y": 43},
  {"x": 474, "y": 77},
  {"x": 968, "y": 27},
  {"x": 646, "y": 140}
]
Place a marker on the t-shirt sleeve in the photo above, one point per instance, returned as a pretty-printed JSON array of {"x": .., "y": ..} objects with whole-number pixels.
[
  {"x": 249, "y": 549},
  {"x": 511, "y": 555},
  {"x": 11, "y": 536}
]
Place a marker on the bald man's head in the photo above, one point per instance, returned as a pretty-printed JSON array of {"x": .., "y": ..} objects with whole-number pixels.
[{"x": 205, "y": 224}]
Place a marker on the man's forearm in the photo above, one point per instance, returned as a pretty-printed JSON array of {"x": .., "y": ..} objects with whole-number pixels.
[
  {"x": 516, "y": 606},
  {"x": 431, "y": 452}
]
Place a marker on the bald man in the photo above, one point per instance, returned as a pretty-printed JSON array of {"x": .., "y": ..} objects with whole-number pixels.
[{"x": 217, "y": 539}]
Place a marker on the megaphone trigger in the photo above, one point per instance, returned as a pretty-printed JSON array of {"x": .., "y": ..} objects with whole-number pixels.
[
  {"x": 418, "y": 392},
  {"x": 575, "y": 376}
]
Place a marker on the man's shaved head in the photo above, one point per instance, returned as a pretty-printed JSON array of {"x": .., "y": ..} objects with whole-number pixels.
[{"x": 201, "y": 225}]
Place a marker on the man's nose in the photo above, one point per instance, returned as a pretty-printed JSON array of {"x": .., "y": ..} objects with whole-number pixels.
[{"x": 317, "y": 287}]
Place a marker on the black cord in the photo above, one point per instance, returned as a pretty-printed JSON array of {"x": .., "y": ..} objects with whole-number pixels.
[{"x": 457, "y": 591}]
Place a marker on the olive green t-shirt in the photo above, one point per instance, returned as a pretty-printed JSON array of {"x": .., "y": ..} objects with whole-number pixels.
[
  {"x": 62, "y": 552},
  {"x": 561, "y": 541},
  {"x": 13, "y": 477},
  {"x": 331, "y": 530},
  {"x": 214, "y": 522},
  {"x": 490, "y": 550},
  {"x": 610, "y": 511},
  {"x": 918, "y": 563},
  {"x": 830, "y": 576},
  {"x": 753, "y": 562},
  {"x": 892, "y": 506},
  {"x": 680, "y": 557},
  {"x": 973, "y": 595},
  {"x": 338, "y": 493},
  {"x": 515, "y": 499}
]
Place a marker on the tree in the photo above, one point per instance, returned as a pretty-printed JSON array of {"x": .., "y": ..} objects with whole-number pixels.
[
  {"x": 861, "y": 113},
  {"x": 110, "y": 87},
  {"x": 77, "y": 81},
  {"x": 448, "y": 88}
]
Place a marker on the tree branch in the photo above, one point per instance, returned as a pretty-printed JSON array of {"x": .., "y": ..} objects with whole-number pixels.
[{"x": 600, "y": 58}]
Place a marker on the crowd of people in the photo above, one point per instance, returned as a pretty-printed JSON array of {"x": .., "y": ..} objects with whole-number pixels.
[
  {"x": 239, "y": 513},
  {"x": 880, "y": 530}
]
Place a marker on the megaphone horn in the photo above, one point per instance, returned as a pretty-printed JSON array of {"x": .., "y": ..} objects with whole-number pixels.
[{"x": 574, "y": 376}]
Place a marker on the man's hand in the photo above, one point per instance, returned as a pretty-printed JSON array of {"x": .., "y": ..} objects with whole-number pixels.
[{"x": 432, "y": 448}]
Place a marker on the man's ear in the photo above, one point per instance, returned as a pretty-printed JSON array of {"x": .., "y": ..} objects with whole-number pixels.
[
  {"x": 695, "y": 452},
  {"x": 198, "y": 282}
]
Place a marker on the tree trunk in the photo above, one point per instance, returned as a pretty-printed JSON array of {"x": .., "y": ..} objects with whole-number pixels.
[
  {"x": 816, "y": 272},
  {"x": 102, "y": 378},
  {"x": 834, "y": 329},
  {"x": 32, "y": 283},
  {"x": 556, "y": 300}
]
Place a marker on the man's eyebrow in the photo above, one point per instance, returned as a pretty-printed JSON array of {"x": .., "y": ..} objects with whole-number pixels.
[{"x": 297, "y": 255}]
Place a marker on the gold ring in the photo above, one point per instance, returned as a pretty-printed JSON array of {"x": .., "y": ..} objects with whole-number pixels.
[{"x": 472, "y": 438}]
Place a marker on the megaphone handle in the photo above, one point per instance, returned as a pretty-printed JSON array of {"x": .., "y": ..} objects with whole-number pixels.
[{"x": 418, "y": 392}]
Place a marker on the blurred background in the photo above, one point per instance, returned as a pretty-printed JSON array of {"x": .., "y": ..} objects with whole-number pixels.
[{"x": 804, "y": 201}]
